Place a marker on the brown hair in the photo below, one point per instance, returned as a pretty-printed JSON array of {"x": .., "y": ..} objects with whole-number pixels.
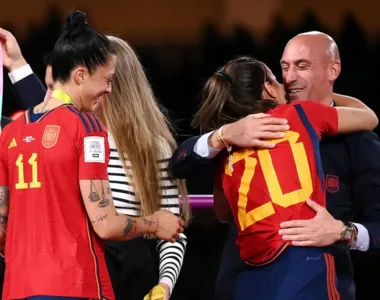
[
  {"x": 140, "y": 129},
  {"x": 232, "y": 93}
]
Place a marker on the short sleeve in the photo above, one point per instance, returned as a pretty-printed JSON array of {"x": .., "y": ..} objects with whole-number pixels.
[
  {"x": 323, "y": 118},
  {"x": 94, "y": 151}
]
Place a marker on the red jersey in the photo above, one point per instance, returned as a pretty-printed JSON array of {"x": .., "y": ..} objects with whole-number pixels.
[
  {"x": 268, "y": 187},
  {"x": 51, "y": 247}
]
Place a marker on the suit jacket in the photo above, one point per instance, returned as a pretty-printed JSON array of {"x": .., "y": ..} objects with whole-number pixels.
[{"x": 29, "y": 91}]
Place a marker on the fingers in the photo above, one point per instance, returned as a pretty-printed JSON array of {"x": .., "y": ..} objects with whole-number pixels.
[
  {"x": 4, "y": 34},
  {"x": 295, "y": 223},
  {"x": 297, "y": 237},
  {"x": 303, "y": 243},
  {"x": 270, "y": 135},
  {"x": 181, "y": 222},
  {"x": 264, "y": 145},
  {"x": 274, "y": 127},
  {"x": 260, "y": 116},
  {"x": 292, "y": 231},
  {"x": 273, "y": 121}
]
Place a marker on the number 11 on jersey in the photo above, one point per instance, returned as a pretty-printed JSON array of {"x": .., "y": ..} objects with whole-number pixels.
[{"x": 21, "y": 184}]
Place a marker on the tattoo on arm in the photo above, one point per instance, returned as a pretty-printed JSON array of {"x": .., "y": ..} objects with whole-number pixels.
[
  {"x": 100, "y": 218},
  {"x": 147, "y": 221},
  {"x": 130, "y": 227},
  {"x": 105, "y": 201},
  {"x": 4, "y": 196},
  {"x": 3, "y": 218},
  {"x": 95, "y": 197}
]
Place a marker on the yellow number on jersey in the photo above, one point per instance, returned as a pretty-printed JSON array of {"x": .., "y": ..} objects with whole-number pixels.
[
  {"x": 21, "y": 180},
  {"x": 265, "y": 210}
]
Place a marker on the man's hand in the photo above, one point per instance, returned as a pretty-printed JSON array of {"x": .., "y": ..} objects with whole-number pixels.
[
  {"x": 322, "y": 230},
  {"x": 251, "y": 131},
  {"x": 12, "y": 56},
  {"x": 169, "y": 226}
]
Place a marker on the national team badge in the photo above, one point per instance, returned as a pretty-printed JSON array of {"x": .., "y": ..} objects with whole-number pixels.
[
  {"x": 332, "y": 183},
  {"x": 50, "y": 137}
]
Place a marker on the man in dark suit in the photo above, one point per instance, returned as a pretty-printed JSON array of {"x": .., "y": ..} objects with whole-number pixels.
[{"x": 350, "y": 164}]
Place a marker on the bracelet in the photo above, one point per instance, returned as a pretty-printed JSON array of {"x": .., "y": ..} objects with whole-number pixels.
[
  {"x": 228, "y": 147},
  {"x": 220, "y": 139}
]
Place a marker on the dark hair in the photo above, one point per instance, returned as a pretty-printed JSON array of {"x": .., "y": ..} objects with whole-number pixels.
[
  {"x": 47, "y": 59},
  {"x": 78, "y": 45},
  {"x": 232, "y": 93}
]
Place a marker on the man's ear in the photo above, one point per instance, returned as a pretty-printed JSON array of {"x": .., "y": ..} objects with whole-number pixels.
[{"x": 334, "y": 71}]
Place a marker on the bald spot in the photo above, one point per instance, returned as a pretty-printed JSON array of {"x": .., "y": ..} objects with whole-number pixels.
[{"x": 316, "y": 42}]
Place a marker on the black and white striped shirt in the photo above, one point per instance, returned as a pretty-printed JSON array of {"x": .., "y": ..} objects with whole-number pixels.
[{"x": 171, "y": 254}]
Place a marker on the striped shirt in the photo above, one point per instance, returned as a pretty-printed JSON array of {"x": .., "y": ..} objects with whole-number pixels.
[{"x": 171, "y": 254}]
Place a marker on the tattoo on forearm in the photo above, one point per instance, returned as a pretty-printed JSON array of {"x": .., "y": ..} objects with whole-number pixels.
[
  {"x": 130, "y": 227},
  {"x": 100, "y": 218},
  {"x": 4, "y": 196},
  {"x": 147, "y": 221},
  {"x": 3, "y": 218},
  {"x": 94, "y": 195},
  {"x": 109, "y": 190}
]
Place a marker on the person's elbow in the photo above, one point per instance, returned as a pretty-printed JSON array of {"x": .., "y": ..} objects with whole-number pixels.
[
  {"x": 223, "y": 216},
  {"x": 103, "y": 230},
  {"x": 373, "y": 120}
]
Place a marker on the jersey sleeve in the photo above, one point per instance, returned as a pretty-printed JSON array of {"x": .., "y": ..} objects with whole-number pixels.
[
  {"x": 323, "y": 118},
  {"x": 93, "y": 149}
]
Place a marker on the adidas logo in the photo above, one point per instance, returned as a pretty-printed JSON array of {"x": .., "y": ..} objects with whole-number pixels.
[{"x": 12, "y": 144}]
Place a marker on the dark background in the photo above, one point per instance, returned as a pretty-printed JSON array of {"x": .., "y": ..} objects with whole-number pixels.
[{"x": 178, "y": 71}]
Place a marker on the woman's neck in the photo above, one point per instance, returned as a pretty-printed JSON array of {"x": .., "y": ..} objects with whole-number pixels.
[{"x": 71, "y": 92}]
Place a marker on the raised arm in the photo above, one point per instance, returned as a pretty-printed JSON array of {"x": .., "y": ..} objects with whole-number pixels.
[
  {"x": 28, "y": 89},
  {"x": 110, "y": 225}
]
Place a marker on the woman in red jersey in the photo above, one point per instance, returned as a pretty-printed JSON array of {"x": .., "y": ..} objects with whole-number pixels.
[
  {"x": 263, "y": 188},
  {"x": 56, "y": 201}
]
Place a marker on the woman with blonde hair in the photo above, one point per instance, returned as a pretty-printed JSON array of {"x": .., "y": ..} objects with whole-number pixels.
[{"x": 141, "y": 146}]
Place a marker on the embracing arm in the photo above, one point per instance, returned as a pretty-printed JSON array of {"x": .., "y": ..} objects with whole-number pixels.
[
  {"x": 354, "y": 115},
  {"x": 248, "y": 132},
  {"x": 191, "y": 155}
]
